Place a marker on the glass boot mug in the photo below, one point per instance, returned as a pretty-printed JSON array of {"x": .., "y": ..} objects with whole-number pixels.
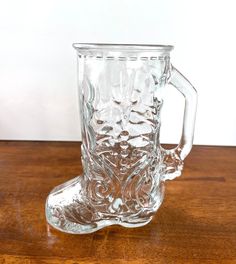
[{"x": 124, "y": 165}]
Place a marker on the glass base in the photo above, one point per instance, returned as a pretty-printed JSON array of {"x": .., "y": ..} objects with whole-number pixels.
[
  {"x": 68, "y": 210},
  {"x": 73, "y": 228}
]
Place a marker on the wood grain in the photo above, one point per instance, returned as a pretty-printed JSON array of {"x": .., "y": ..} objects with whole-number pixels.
[{"x": 195, "y": 224}]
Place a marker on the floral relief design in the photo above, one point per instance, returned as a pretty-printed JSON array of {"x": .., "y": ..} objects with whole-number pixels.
[{"x": 122, "y": 160}]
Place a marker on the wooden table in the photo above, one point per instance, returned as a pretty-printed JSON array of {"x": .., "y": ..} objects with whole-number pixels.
[{"x": 195, "y": 224}]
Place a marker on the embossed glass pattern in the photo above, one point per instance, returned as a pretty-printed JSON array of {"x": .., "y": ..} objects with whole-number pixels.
[{"x": 124, "y": 165}]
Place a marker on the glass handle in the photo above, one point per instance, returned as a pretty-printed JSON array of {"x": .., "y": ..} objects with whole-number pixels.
[{"x": 173, "y": 158}]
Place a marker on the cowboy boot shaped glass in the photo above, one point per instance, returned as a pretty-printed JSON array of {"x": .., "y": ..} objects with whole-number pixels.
[{"x": 124, "y": 165}]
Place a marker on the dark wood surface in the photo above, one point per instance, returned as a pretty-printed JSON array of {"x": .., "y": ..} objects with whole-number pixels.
[{"x": 195, "y": 224}]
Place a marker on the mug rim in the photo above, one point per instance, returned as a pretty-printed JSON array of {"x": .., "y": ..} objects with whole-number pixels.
[{"x": 122, "y": 47}]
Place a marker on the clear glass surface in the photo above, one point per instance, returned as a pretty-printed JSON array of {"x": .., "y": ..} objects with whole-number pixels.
[{"x": 124, "y": 165}]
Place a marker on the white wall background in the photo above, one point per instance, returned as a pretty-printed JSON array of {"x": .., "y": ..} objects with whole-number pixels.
[{"x": 38, "y": 92}]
